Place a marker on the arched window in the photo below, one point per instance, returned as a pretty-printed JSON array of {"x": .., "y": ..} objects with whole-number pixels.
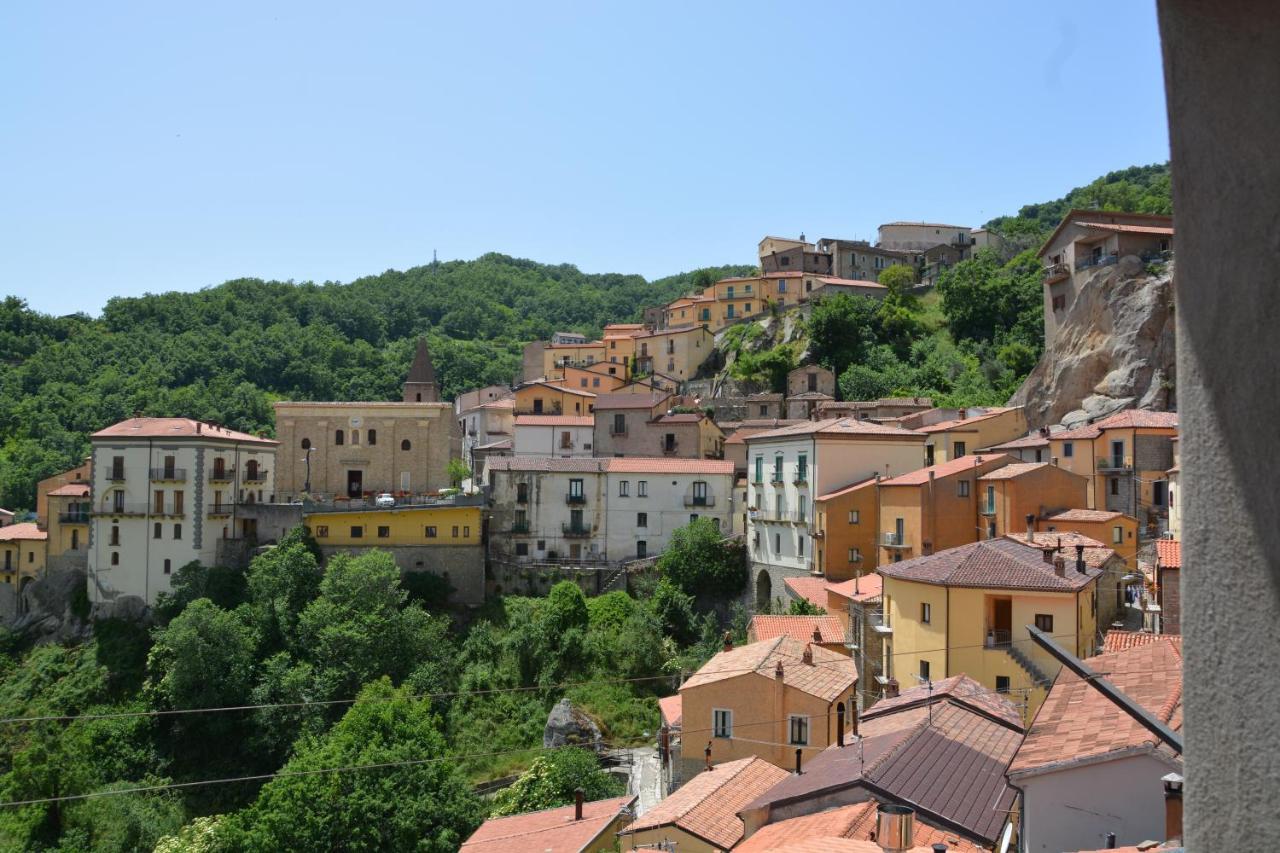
[
  {"x": 373, "y": 437},
  {"x": 355, "y": 436},
  {"x": 306, "y": 444},
  {"x": 338, "y": 436},
  {"x": 404, "y": 445}
]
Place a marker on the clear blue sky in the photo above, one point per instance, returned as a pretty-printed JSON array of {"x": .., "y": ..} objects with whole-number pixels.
[{"x": 162, "y": 146}]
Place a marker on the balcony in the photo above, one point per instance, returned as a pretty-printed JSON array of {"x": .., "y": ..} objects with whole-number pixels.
[
  {"x": 522, "y": 497},
  {"x": 893, "y": 540},
  {"x": 221, "y": 475},
  {"x": 987, "y": 509},
  {"x": 617, "y": 429},
  {"x": 777, "y": 479},
  {"x": 169, "y": 475},
  {"x": 1056, "y": 272},
  {"x": 575, "y": 500},
  {"x": 257, "y": 477},
  {"x": 519, "y": 527},
  {"x": 1103, "y": 261},
  {"x": 220, "y": 510},
  {"x": 575, "y": 531},
  {"x": 999, "y": 638},
  {"x": 1115, "y": 463},
  {"x": 699, "y": 500},
  {"x": 122, "y": 509},
  {"x": 668, "y": 448},
  {"x": 802, "y": 478},
  {"x": 73, "y": 518},
  {"x": 116, "y": 475}
]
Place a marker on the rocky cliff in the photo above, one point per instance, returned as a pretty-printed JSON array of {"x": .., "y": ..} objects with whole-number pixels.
[{"x": 1115, "y": 349}]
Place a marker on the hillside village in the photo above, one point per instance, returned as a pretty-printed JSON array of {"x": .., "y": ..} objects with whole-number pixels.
[{"x": 914, "y": 576}]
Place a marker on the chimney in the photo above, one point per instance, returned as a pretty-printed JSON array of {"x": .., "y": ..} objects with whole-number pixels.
[
  {"x": 891, "y": 689},
  {"x": 198, "y": 426},
  {"x": 728, "y": 641},
  {"x": 840, "y": 724},
  {"x": 1111, "y": 841},
  {"x": 807, "y": 657},
  {"x": 1172, "y": 807},
  {"x": 1080, "y": 559},
  {"x": 1031, "y": 529},
  {"x": 1048, "y": 554},
  {"x": 1053, "y": 460},
  {"x": 964, "y": 414},
  {"x": 777, "y": 671},
  {"x": 578, "y": 795},
  {"x": 939, "y": 847},
  {"x": 707, "y": 755},
  {"x": 817, "y": 633},
  {"x": 798, "y": 753},
  {"x": 895, "y": 827},
  {"x": 1059, "y": 567}
]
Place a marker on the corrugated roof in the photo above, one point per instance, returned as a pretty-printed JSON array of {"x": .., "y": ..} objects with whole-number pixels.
[
  {"x": 829, "y": 676},
  {"x": 547, "y": 831},
  {"x": 992, "y": 564},
  {"x": 177, "y": 428},
  {"x": 1129, "y": 229}
]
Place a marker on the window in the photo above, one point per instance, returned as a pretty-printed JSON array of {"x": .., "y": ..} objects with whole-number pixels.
[
  {"x": 700, "y": 493},
  {"x": 455, "y": 532},
  {"x": 759, "y": 478},
  {"x": 405, "y": 445},
  {"x": 115, "y": 558},
  {"x": 926, "y": 612},
  {"x": 802, "y": 468},
  {"x": 642, "y": 549},
  {"x": 566, "y": 440},
  {"x": 155, "y": 533},
  {"x": 619, "y": 424},
  {"x": 624, "y": 488},
  {"x": 800, "y": 546},
  {"x": 177, "y": 531},
  {"x": 1060, "y": 302},
  {"x": 764, "y": 410},
  {"x": 777, "y": 543},
  {"x": 322, "y": 531},
  {"x": 466, "y": 531},
  {"x": 306, "y": 444},
  {"x": 1159, "y": 492},
  {"x": 178, "y": 502},
  {"x": 384, "y": 532},
  {"x": 813, "y": 382},
  {"x": 355, "y": 436},
  {"x": 855, "y": 556},
  {"x": 642, "y": 519},
  {"x": 777, "y": 468},
  {"x": 373, "y": 437},
  {"x": 117, "y": 468},
  {"x": 722, "y": 722},
  {"x": 522, "y": 549},
  {"x": 1115, "y": 485},
  {"x": 1002, "y": 684},
  {"x": 642, "y": 488},
  {"x": 1044, "y": 621},
  {"x": 522, "y": 493},
  {"x": 782, "y": 285},
  {"x": 1068, "y": 449},
  {"x": 357, "y": 532},
  {"x": 1117, "y": 534},
  {"x": 338, "y": 437},
  {"x": 855, "y": 516},
  {"x": 962, "y": 488},
  {"x": 431, "y": 531},
  {"x": 168, "y": 566},
  {"x": 158, "y": 502},
  {"x": 959, "y": 448},
  {"x": 924, "y": 670},
  {"x": 799, "y": 730},
  {"x": 575, "y": 489},
  {"x": 991, "y": 499}
]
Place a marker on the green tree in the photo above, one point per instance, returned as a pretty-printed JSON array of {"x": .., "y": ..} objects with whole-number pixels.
[
  {"x": 899, "y": 279},
  {"x": 551, "y": 781},
  {"x": 282, "y": 582},
  {"x": 769, "y": 367},
  {"x": 223, "y": 586},
  {"x": 842, "y": 329},
  {"x": 458, "y": 471},
  {"x": 700, "y": 561},
  {"x": 204, "y": 658}
]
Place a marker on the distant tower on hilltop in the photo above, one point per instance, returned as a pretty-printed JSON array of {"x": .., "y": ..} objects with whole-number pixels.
[{"x": 420, "y": 386}]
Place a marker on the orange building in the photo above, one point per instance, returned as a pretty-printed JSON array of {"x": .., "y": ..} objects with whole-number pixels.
[
  {"x": 1010, "y": 494},
  {"x": 1116, "y": 529},
  {"x": 78, "y": 475},
  {"x": 545, "y": 398},
  {"x": 845, "y": 524}
]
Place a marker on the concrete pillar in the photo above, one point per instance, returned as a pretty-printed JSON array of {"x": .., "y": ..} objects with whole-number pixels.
[{"x": 1222, "y": 75}]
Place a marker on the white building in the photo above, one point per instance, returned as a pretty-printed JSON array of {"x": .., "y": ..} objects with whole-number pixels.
[
  {"x": 484, "y": 422},
  {"x": 164, "y": 491},
  {"x": 600, "y": 510},
  {"x": 1175, "y": 491},
  {"x": 789, "y": 466},
  {"x": 554, "y": 435}
]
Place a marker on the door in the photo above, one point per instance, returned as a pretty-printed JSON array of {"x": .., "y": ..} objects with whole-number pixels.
[
  {"x": 75, "y": 540},
  {"x": 1117, "y": 454},
  {"x": 575, "y": 551},
  {"x": 355, "y": 484}
]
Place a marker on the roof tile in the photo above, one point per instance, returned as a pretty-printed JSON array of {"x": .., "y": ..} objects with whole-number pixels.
[
  {"x": 177, "y": 428},
  {"x": 830, "y": 675},
  {"x": 1003, "y": 563},
  {"x": 551, "y": 830},
  {"x": 802, "y": 628}
]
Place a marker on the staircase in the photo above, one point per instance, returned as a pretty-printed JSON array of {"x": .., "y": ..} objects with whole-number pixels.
[
  {"x": 617, "y": 579},
  {"x": 1034, "y": 672}
]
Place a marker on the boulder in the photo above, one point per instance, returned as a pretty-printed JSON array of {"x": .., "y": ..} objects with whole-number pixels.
[{"x": 569, "y": 726}]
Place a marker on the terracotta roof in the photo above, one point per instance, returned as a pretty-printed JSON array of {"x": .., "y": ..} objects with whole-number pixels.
[
  {"x": 945, "y": 469},
  {"x": 552, "y": 384},
  {"x": 555, "y": 420},
  {"x": 555, "y": 464},
  {"x": 741, "y": 434},
  {"x": 1117, "y": 640},
  {"x": 957, "y": 423},
  {"x": 547, "y": 831},
  {"x": 811, "y": 589},
  {"x": 1080, "y": 433},
  {"x": 1076, "y": 722},
  {"x": 811, "y": 395},
  {"x": 1096, "y": 554},
  {"x": 1036, "y": 440},
  {"x": 1140, "y": 419},
  {"x": 868, "y": 588},
  {"x": 70, "y": 490},
  {"x": 27, "y": 531},
  {"x": 958, "y": 688},
  {"x": 708, "y": 804},
  {"x": 844, "y": 490},
  {"x": 927, "y": 402},
  {"x": 1014, "y": 470},
  {"x": 1084, "y": 515},
  {"x": 836, "y": 426},
  {"x": 1169, "y": 553},
  {"x": 671, "y": 708},
  {"x": 1077, "y": 215},
  {"x": 829, "y": 676},
  {"x": 801, "y": 628},
  {"x": 857, "y": 281},
  {"x": 616, "y": 465},
  {"x": 177, "y": 428},
  {"x": 947, "y": 762},
  {"x": 630, "y": 401},
  {"x": 1134, "y": 229},
  {"x": 992, "y": 564},
  {"x": 856, "y": 822}
]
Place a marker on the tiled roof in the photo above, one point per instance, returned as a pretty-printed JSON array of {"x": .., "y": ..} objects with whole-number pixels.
[
  {"x": 848, "y": 281},
  {"x": 547, "y": 463},
  {"x": 177, "y": 428},
  {"x": 765, "y": 397},
  {"x": 830, "y": 675},
  {"x": 741, "y": 434},
  {"x": 1096, "y": 554},
  {"x": 547, "y": 831},
  {"x": 905, "y": 401},
  {"x": 27, "y": 531},
  {"x": 958, "y": 688},
  {"x": 708, "y": 804},
  {"x": 866, "y": 588},
  {"x": 801, "y": 628},
  {"x": 944, "y": 469},
  {"x": 811, "y": 395},
  {"x": 855, "y": 822},
  {"x": 70, "y": 490},
  {"x": 555, "y": 420},
  {"x": 1077, "y": 722},
  {"x": 630, "y": 401},
  {"x": 1078, "y": 515},
  {"x": 504, "y": 403},
  {"x": 1080, "y": 433},
  {"x": 1169, "y": 553},
  {"x": 672, "y": 711},
  {"x": 993, "y": 564},
  {"x": 811, "y": 589},
  {"x": 1117, "y": 640},
  {"x": 1140, "y": 419},
  {"x": 555, "y": 385},
  {"x": 836, "y": 426},
  {"x": 957, "y": 423},
  {"x": 1036, "y": 440},
  {"x": 614, "y": 465},
  {"x": 1134, "y": 229},
  {"x": 679, "y": 418},
  {"x": 947, "y": 762},
  {"x": 844, "y": 490},
  {"x": 1014, "y": 470}
]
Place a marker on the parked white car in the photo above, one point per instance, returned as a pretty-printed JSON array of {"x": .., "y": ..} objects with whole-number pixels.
[{"x": 385, "y": 499}]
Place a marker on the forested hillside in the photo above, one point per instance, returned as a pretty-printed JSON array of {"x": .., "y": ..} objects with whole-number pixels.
[
  {"x": 1140, "y": 189},
  {"x": 224, "y": 353}
]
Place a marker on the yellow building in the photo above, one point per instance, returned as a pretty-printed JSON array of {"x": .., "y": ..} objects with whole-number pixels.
[
  {"x": 677, "y": 353},
  {"x": 68, "y": 519},
  {"x": 444, "y": 539},
  {"x": 965, "y": 610},
  {"x": 765, "y": 700},
  {"x": 1012, "y": 493},
  {"x": 546, "y": 398},
  {"x": 845, "y": 524},
  {"x": 79, "y": 474},
  {"x": 600, "y": 378},
  {"x": 22, "y": 553},
  {"x": 618, "y": 342},
  {"x": 957, "y": 437},
  {"x": 689, "y": 311},
  {"x": 932, "y": 509},
  {"x": 1116, "y": 529}
]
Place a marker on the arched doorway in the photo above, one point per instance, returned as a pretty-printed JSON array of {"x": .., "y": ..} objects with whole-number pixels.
[{"x": 764, "y": 591}]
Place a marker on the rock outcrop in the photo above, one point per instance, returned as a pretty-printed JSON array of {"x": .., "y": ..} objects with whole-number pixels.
[
  {"x": 570, "y": 726},
  {"x": 1115, "y": 349}
]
